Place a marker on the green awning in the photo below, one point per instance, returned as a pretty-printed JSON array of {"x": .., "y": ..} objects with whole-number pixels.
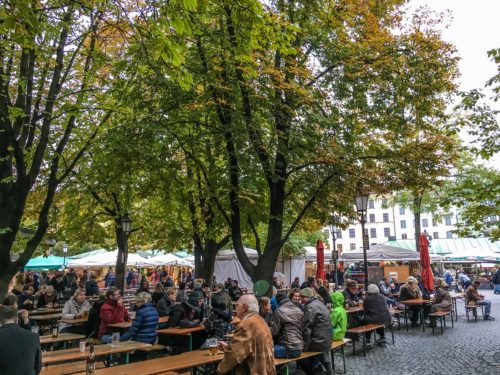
[{"x": 51, "y": 262}]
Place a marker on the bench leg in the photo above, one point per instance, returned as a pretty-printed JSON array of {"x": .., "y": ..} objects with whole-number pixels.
[
  {"x": 364, "y": 344},
  {"x": 441, "y": 322},
  {"x": 452, "y": 326}
]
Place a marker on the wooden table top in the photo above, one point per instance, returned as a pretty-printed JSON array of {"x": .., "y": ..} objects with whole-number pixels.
[
  {"x": 354, "y": 309},
  {"x": 46, "y": 316},
  {"x": 74, "y": 354},
  {"x": 125, "y": 325},
  {"x": 75, "y": 322},
  {"x": 44, "y": 310},
  {"x": 180, "y": 331},
  {"x": 165, "y": 364},
  {"x": 415, "y": 301},
  {"x": 48, "y": 339}
]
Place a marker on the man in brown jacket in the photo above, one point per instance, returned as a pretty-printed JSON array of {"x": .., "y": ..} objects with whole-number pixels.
[
  {"x": 252, "y": 347},
  {"x": 472, "y": 296}
]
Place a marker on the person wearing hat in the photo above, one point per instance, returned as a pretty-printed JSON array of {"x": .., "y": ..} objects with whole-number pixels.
[
  {"x": 472, "y": 295},
  {"x": 351, "y": 293},
  {"x": 410, "y": 290},
  {"x": 376, "y": 311},
  {"x": 144, "y": 325},
  {"x": 286, "y": 328},
  {"x": 187, "y": 313},
  {"x": 316, "y": 332}
]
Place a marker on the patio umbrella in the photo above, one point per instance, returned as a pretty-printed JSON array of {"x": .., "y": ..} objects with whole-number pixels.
[
  {"x": 425, "y": 263},
  {"x": 320, "y": 259}
]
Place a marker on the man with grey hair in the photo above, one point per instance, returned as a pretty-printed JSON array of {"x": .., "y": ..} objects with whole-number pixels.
[
  {"x": 252, "y": 349},
  {"x": 20, "y": 351}
]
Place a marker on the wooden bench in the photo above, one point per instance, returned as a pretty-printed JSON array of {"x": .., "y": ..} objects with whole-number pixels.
[
  {"x": 361, "y": 331},
  {"x": 441, "y": 314},
  {"x": 68, "y": 368},
  {"x": 153, "y": 348},
  {"x": 471, "y": 306}
]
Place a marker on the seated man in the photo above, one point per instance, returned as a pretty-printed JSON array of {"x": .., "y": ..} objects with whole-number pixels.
[
  {"x": 385, "y": 288},
  {"x": 251, "y": 350},
  {"x": 376, "y": 312},
  {"x": 166, "y": 303},
  {"x": 144, "y": 325},
  {"x": 473, "y": 296},
  {"x": 20, "y": 351},
  {"x": 286, "y": 328},
  {"x": 351, "y": 293},
  {"x": 112, "y": 311}
]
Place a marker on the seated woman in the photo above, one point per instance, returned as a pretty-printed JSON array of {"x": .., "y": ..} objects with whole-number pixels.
[
  {"x": 218, "y": 324},
  {"x": 49, "y": 298},
  {"x": 376, "y": 311},
  {"x": 265, "y": 310},
  {"x": 338, "y": 316},
  {"x": 442, "y": 301},
  {"x": 76, "y": 308}
]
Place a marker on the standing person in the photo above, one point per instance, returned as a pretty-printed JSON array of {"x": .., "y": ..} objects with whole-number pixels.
[
  {"x": 286, "y": 328},
  {"x": 376, "y": 311},
  {"x": 472, "y": 295},
  {"x": 20, "y": 351},
  {"x": 91, "y": 286},
  {"x": 251, "y": 350},
  {"x": 77, "y": 307},
  {"x": 316, "y": 331},
  {"x": 70, "y": 277},
  {"x": 112, "y": 311},
  {"x": 496, "y": 281},
  {"x": 338, "y": 316},
  {"x": 143, "y": 287},
  {"x": 464, "y": 280},
  {"x": 83, "y": 279},
  {"x": 448, "y": 277}
]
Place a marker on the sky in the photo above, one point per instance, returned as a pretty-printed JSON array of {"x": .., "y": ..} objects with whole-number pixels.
[{"x": 474, "y": 28}]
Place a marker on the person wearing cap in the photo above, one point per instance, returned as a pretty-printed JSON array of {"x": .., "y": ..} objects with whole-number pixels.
[
  {"x": 410, "y": 290},
  {"x": 442, "y": 300},
  {"x": 144, "y": 325},
  {"x": 286, "y": 328},
  {"x": 316, "y": 332},
  {"x": 187, "y": 313},
  {"x": 376, "y": 311},
  {"x": 351, "y": 293},
  {"x": 472, "y": 295},
  {"x": 251, "y": 349}
]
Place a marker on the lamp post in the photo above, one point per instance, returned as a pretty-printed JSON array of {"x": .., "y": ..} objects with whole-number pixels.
[
  {"x": 126, "y": 224},
  {"x": 65, "y": 249},
  {"x": 361, "y": 208},
  {"x": 335, "y": 253}
]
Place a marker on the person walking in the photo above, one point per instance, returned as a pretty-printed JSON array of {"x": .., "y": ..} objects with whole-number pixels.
[{"x": 496, "y": 281}]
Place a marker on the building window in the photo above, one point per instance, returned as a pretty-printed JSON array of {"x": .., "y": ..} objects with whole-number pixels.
[
  {"x": 373, "y": 232},
  {"x": 404, "y": 236},
  {"x": 449, "y": 234},
  {"x": 435, "y": 235},
  {"x": 352, "y": 246},
  {"x": 387, "y": 232},
  {"x": 386, "y": 217},
  {"x": 401, "y": 210},
  {"x": 339, "y": 247},
  {"x": 384, "y": 203},
  {"x": 352, "y": 233},
  {"x": 338, "y": 233},
  {"x": 371, "y": 203},
  {"x": 403, "y": 224},
  {"x": 447, "y": 221},
  {"x": 425, "y": 223},
  {"x": 372, "y": 218}
]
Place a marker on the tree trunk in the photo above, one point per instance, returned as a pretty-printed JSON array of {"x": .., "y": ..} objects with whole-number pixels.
[
  {"x": 121, "y": 260},
  {"x": 207, "y": 262},
  {"x": 6, "y": 276}
]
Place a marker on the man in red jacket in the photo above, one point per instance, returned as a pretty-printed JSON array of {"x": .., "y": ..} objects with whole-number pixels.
[{"x": 112, "y": 311}]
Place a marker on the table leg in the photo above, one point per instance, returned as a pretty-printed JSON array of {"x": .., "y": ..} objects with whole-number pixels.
[
  {"x": 190, "y": 342},
  {"x": 127, "y": 355}
]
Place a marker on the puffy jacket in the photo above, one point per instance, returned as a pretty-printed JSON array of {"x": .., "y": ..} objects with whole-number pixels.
[
  {"x": 71, "y": 308},
  {"x": 338, "y": 316},
  {"x": 286, "y": 325},
  {"x": 143, "y": 326},
  {"x": 376, "y": 309},
  {"x": 316, "y": 327},
  {"x": 111, "y": 313}
]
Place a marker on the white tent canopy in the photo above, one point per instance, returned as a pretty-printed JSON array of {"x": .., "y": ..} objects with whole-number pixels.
[
  {"x": 228, "y": 265},
  {"x": 385, "y": 252},
  {"x": 108, "y": 259},
  {"x": 170, "y": 260}
]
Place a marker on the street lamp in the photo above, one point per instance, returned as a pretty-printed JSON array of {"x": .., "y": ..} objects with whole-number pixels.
[
  {"x": 126, "y": 224},
  {"x": 65, "y": 249},
  {"x": 335, "y": 253},
  {"x": 361, "y": 208}
]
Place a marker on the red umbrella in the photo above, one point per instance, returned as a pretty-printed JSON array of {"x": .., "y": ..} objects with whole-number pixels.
[
  {"x": 425, "y": 263},
  {"x": 320, "y": 259}
]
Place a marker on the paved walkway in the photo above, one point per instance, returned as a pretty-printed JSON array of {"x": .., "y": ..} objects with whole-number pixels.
[{"x": 469, "y": 348}]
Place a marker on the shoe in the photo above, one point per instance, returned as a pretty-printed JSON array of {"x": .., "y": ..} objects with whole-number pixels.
[{"x": 489, "y": 317}]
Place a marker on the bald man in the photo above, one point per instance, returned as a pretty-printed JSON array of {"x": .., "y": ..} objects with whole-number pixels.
[{"x": 252, "y": 349}]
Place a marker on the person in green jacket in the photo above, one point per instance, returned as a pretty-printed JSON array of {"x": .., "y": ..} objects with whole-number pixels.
[{"x": 338, "y": 316}]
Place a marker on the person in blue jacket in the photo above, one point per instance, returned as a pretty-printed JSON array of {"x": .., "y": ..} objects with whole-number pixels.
[{"x": 144, "y": 325}]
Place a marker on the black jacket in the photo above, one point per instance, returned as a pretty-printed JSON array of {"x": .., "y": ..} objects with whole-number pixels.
[
  {"x": 316, "y": 327},
  {"x": 376, "y": 310},
  {"x": 20, "y": 351},
  {"x": 496, "y": 277},
  {"x": 91, "y": 288}
]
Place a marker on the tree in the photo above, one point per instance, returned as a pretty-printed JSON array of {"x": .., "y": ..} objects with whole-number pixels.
[{"x": 52, "y": 77}]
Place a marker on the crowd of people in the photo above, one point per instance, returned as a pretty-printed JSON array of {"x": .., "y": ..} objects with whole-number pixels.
[{"x": 307, "y": 317}]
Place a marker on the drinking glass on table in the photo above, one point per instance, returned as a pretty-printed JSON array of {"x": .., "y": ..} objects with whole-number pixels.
[
  {"x": 115, "y": 338},
  {"x": 213, "y": 346}
]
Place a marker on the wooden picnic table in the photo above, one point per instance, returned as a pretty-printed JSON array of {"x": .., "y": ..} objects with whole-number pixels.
[
  {"x": 74, "y": 354},
  {"x": 75, "y": 322},
  {"x": 45, "y": 310},
  {"x": 126, "y": 325},
  {"x": 354, "y": 309},
  {"x": 43, "y": 317},
  {"x": 182, "y": 332},
  {"x": 48, "y": 339},
  {"x": 416, "y": 302}
]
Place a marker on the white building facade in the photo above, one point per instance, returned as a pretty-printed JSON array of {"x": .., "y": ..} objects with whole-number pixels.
[{"x": 386, "y": 222}]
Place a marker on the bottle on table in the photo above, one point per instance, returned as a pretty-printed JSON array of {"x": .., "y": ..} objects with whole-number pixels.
[{"x": 90, "y": 366}]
